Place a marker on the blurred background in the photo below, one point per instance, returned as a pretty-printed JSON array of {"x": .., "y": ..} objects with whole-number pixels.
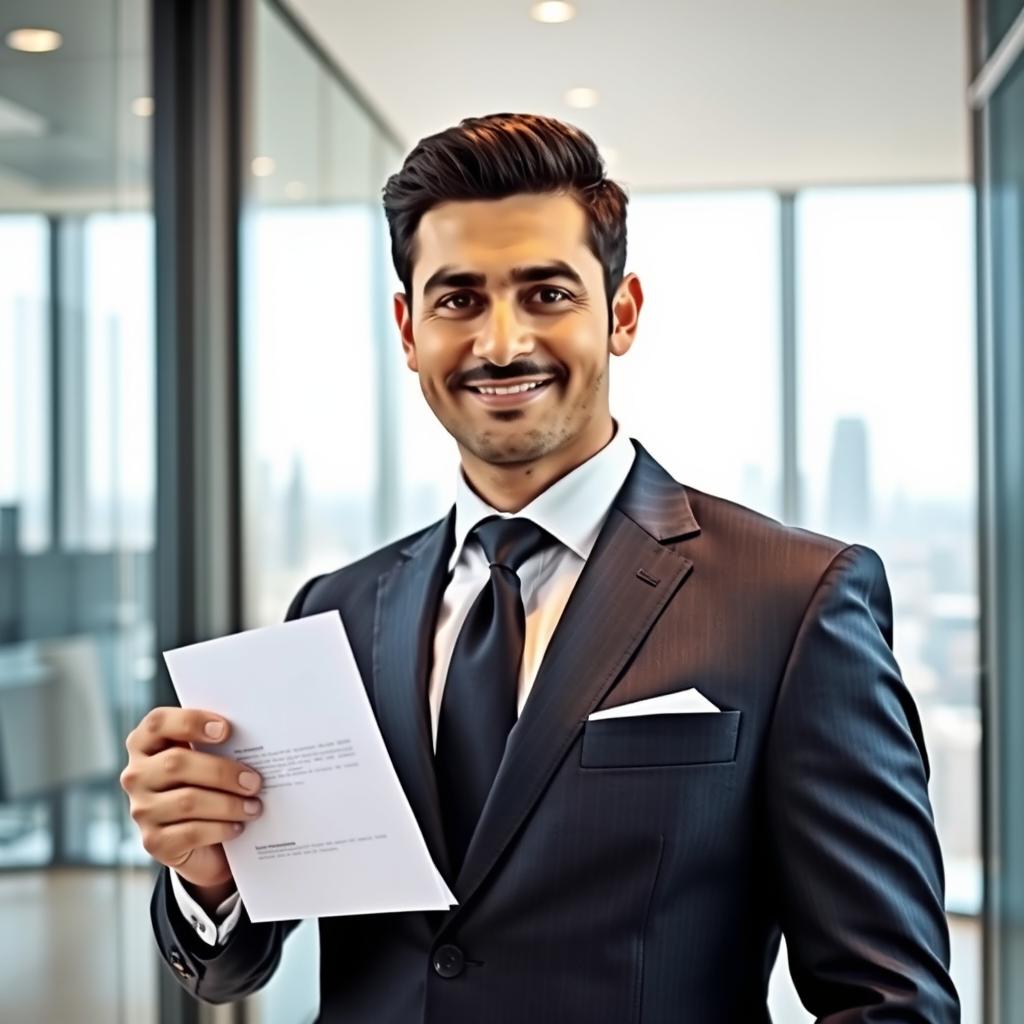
[{"x": 203, "y": 401}]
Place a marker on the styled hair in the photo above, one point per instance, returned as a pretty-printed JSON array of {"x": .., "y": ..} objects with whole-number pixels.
[{"x": 502, "y": 155}]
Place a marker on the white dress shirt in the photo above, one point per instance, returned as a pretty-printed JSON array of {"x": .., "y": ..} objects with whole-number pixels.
[{"x": 572, "y": 510}]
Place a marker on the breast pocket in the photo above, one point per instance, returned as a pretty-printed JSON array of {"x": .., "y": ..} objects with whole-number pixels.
[{"x": 655, "y": 741}]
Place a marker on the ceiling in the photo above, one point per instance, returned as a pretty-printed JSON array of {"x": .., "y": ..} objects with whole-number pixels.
[
  {"x": 66, "y": 129},
  {"x": 730, "y": 93},
  {"x": 694, "y": 93}
]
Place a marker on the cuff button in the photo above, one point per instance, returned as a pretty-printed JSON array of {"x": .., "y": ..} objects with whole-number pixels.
[{"x": 178, "y": 963}]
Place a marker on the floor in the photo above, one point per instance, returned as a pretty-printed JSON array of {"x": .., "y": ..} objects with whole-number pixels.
[{"x": 77, "y": 947}]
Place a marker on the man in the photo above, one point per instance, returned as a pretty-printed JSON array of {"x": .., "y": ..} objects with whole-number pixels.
[{"x": 632, "y": 867}]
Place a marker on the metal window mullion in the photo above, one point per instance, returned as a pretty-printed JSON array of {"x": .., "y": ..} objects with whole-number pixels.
[
  {"x": 791, "y": 511},
  {"x": 197, "y": 70}
]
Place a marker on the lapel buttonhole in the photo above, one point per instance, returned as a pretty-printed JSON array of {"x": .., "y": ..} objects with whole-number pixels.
[{"x": 644, "y": 575}]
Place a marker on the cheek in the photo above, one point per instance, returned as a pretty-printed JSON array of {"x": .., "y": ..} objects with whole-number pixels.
[
  {"x": 434, "y": 359},
  {"x": 585, "y": 359}
]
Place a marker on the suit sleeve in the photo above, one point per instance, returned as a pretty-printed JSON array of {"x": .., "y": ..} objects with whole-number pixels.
[
  {"x": 242, "y": 964},
  {"x": 848, "y": 820}
]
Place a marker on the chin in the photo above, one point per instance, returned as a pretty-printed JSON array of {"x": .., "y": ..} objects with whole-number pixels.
[{"x": 515, "y": 447}]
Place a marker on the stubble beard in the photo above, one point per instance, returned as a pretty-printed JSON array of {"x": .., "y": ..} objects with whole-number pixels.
[
  {"x": 520, "y": 447},
  {"x": 498, "y": 448}
]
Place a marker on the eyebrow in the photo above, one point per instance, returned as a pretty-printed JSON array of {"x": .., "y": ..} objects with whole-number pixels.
[{"x": 449, "y": 277}]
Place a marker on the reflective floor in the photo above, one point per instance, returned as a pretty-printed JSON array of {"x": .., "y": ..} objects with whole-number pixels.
[{"x": 77, "y": 947}]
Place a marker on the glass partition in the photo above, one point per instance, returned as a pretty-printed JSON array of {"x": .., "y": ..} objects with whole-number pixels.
[
  {"x": 1001, "y": 14},
  {"x": 1000, "y": 142},
  {"x": 313, "y": 379},
  {"x": 342, "y": 454},
  {"x": 887, "y": 429},
  {"x": 76, "y": 509},
  {"x": 702, "y": 386}
]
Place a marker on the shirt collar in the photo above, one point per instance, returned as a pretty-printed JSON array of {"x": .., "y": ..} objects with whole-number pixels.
[{"x": 572, "y": 509}]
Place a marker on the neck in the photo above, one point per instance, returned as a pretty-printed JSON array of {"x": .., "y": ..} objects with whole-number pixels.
[{"x": 510, "y": 487}]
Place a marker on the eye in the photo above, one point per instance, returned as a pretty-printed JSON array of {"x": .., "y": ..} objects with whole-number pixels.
[
  {"x": 551, "y": 290},
  {"x": 443, "y": 304},
  {"x": 456, "y": 297}
]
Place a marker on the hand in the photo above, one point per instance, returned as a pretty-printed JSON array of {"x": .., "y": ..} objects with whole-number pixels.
[{"x": 185, "y": 802}]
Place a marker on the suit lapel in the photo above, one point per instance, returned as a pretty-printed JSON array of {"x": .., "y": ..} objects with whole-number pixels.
[
  {"x": 629, "y": 578},
  {"x": 408, "y": 600}
]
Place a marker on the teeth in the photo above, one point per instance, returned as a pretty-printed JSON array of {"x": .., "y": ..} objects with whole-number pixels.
[{"x": 514, "y": 389}]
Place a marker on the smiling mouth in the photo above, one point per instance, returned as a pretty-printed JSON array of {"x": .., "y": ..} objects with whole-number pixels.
[
  {"x": 508, "y": 389},
  {"x": 507, "y": 393}
]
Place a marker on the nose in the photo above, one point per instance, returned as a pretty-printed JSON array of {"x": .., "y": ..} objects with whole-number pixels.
[{"x": 503, "y": 338}]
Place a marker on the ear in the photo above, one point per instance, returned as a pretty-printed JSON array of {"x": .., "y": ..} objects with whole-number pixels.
[
  {"x": 629, "y": 298},
  {"x": 404, "y": 321}
]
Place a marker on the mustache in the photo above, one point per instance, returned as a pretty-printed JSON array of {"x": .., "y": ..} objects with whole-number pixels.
[{"x": 496, "y": 374}]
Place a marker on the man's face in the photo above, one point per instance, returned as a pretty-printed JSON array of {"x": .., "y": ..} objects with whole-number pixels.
[{"x": 509, "y": 330}]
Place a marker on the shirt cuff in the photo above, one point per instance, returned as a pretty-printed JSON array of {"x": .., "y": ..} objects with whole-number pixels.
[{"x": 227, "y": 913}]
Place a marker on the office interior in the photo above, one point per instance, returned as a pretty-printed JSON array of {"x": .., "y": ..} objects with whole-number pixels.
[{"x": 203, "y": 400}]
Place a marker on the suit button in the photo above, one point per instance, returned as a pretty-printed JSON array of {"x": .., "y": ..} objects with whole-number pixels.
[
  {"x": 178, "y": 963},
  {"x": 449, "y": 961}
]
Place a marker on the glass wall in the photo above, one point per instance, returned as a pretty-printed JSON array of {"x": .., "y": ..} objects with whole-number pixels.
[
  {"x": 1005, "y": 528},
  {"x": 313, "y": 312},
  {"x": 76, "y": 507},
  {"x": 883, "y": 384},
  {"x": 316, "y": 372},
  {"x": 701, "y": 389},
  {"x": 886, "y": 431},
  {"x": 999, "y": 16},
  {"x": 886, "y": 436},
  {"x": 888, "y": 457},
  {"x": 999, "y": 157}
]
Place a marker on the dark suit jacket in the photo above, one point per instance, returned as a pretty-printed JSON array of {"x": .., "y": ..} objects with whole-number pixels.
[{"x": 641, "y": 869}]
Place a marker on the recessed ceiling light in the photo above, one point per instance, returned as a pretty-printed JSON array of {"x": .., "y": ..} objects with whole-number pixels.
[
  {"x": 581, "y": 98},
  {"x": 142, "y": 106},
  {"x": 552, "y": 12},
  {"x": 34, "y": 40},
  {"x": 263, "y": 166}
]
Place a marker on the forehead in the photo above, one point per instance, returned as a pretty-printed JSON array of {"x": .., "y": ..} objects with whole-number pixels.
[{"x": 491, "y": 234}]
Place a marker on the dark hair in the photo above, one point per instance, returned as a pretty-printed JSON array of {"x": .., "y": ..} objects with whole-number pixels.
[{"x": 501, "y": 155}]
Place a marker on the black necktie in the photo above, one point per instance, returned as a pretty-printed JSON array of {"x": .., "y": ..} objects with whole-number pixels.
[{"x": 478, "y": 706}]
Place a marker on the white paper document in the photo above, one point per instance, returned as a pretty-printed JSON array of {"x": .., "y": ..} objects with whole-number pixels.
[{"x": 337, "y": 834}]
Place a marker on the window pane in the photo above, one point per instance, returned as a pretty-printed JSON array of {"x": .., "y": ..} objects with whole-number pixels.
[
  {"x": 309, "y": 401},
  {"x": 1003, "y": 416},
  {"x": 117, "y": 424},
  {"x": 701, "y": 386},
  {"x": 886, "y": 424},
  {"x": 76, "y": 515},
  {"x": 312, "y": 296},
  {"x": 309, "y": 412},
  {"x": 1001, "y": 15},
  {"x": 24, "y": 379}
]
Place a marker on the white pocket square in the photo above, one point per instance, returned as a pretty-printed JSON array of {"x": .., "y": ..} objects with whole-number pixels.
[{"x": 664, "y": 704}]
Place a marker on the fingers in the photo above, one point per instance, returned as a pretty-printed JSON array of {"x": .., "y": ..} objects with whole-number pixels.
[
  {"x": 163, "y": 727},
  {"x": 186, "y": 802},
  {"x": 179, "y": 766},
  {"x": 191, "y": 804},
  {"x": 174, "y": 844}
]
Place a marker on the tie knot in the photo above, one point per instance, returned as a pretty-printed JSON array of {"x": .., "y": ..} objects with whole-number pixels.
[{"x": 510, "y": 542}]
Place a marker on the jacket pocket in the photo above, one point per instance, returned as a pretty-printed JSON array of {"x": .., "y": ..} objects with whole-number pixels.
[{"x": 654, "y": 741}]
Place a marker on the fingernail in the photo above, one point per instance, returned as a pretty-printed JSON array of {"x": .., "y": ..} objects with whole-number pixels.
[
  {"x": 214, "y": 730},
  {"x": 251, "y": 806},
  {"x": 237, "y": 826},
  {"x": 250, "y": 781}
]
